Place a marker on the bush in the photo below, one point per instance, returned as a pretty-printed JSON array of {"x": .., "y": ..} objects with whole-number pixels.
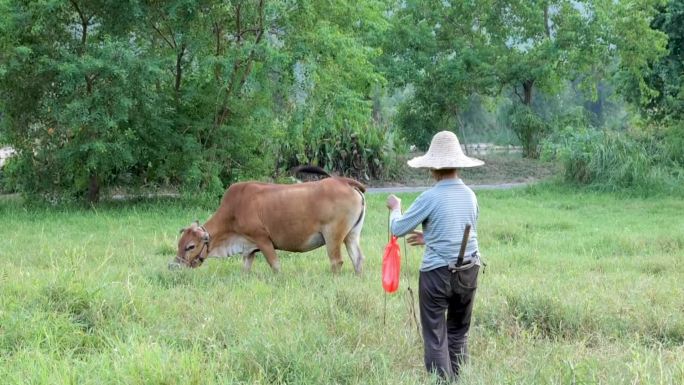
[
  {"x": 530, "y": 129},
  {"x": 358, "y": 153},
  {"x": 674, "y": 143},
  {"x": 613, "y": 161}
]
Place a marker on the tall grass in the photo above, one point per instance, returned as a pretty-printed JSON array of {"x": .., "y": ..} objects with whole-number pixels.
[
  {"x": 616, "y": 161},
  {"x": 579, "y": 288}
]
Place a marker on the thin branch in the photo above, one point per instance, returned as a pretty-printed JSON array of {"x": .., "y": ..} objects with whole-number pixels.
[
  {"x": 251, "y": 30},
  {"x": 217, "y": 32},
  {"x": 163, "y": 36},
  {"x": 85, "y": 21},
  {"x": 78, "y": 10},
  {"x": 257, "y": 40},
  {"x": 546, "y": 20},
  {"x": 173, "y": 36},
  {"x": 248, "y": 63},
  {"x": 238, "y": 34},
  {"x": 515, "y": 89},
  {"x": 237, "y": 64},
  {"x": 165, "y": 21},
  {"x": 179, "y": 68}
]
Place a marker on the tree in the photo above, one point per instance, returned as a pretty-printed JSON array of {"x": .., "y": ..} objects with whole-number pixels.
[
  {"x": 440, "y": 50},
  {"x": 452, "y": 49},
  {"x": 190, "y": 93},
  {"x": 74, "y": 125},
  {"x": 545, "y": 44},
  {"x": 328, "y": 46},
  {"x": 665, "y": 76}
]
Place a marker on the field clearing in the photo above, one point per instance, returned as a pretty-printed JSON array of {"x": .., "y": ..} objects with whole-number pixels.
[
  {"x": 498, "y": 168},
  {"x": 580, "y": 288}
]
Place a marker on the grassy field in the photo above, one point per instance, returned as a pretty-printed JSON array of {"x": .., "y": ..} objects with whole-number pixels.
[{"x": 579, "y": 289}]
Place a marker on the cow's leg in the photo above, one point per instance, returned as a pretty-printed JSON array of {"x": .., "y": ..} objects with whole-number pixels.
[
  {"x": 248, "y": 259},
  {"x": 351, "y": 241},
  {"x": 333, "y": 244},
  {"x": 354, "y": 250},
  {"x": 334, "y": 248},
  {"x": 269, "y": 252}
]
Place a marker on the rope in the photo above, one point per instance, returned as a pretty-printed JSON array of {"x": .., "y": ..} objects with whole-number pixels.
[
  {"x": 384, "y": 311},
  {"x": 411, "y": 298}
]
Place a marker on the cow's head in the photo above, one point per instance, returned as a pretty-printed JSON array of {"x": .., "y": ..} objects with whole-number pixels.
[{"x": 193, "y": 247}]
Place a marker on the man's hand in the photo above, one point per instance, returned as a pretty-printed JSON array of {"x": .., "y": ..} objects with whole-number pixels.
[
  {"x": 393, "y": 202},
  {"x": 416, "y": 238}
]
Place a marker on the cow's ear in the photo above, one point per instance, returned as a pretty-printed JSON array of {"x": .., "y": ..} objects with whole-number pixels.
[{"x": 198, "y": 232}]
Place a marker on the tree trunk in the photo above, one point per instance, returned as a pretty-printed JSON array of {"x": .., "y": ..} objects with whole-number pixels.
[
  {"x": 93, "y": 189},
  {"x": 531, "y": 137},
  {"x": 179, "y": 69},
  {"x": 527, "y": 92}
]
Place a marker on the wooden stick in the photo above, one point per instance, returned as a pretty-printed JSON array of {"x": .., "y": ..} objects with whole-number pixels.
[{"x": 464, "y": 242}]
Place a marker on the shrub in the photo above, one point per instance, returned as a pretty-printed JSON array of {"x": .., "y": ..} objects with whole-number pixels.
[
  {"x": 613, "y": 161},
  {"x": 530, "y": 129},
  {"x": 363, "y": 153}
]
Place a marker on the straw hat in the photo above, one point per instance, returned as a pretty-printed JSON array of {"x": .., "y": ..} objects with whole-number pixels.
[{"x": 444, "y": 152}]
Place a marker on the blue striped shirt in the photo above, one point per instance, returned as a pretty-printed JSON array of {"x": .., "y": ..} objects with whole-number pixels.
[{"x": 444, "y": 210}]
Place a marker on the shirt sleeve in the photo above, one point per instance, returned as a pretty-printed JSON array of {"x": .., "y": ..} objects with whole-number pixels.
[{"x": 415, "y": 215}]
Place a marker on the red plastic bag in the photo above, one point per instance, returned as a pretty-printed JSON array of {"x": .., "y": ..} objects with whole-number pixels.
[{"x": 391, "y": 265}]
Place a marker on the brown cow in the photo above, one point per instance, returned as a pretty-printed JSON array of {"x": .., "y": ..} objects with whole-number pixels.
[{"x": 268, "y": 217}]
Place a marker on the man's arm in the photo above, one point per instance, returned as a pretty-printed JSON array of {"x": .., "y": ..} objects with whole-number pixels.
[{"x": 401, "y": 225}]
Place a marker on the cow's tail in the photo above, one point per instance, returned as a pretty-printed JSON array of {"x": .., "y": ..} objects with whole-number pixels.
[
  {"x": 354, "y": 183},
  {"x": 315, "y": 170},
  {"x": 361, "y": 189}
]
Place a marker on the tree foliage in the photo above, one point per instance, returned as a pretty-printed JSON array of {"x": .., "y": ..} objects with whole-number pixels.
[
  {"x": 665, "y": 77},
  {"x": 451, "y": 50},
  {"x": 197, "y": 94},
  {"x": 439, "y": 49},
  {"x": 186, "y": 92}
]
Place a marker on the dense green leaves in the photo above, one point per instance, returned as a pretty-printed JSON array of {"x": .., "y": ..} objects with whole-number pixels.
[
  {"x": 196, "y": 94},
  {"x": 186, "y": 93},
  {"x": 666, "y": 77},
  {"x": 441, "y": 50},
  {"x": 451, "y": 50}
]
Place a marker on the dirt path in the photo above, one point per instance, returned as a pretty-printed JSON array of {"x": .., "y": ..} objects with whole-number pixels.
[{"x": 497, "y": 186}]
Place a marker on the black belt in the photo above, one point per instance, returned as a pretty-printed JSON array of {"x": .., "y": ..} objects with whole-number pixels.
[{"x": 465, "y": 263}]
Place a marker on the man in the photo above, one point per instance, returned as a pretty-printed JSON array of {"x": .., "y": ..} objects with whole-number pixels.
[{"x": 446, "y": 289}]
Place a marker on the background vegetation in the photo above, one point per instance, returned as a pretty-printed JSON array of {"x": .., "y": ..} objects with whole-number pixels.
[{"x": 193, "y": 95}]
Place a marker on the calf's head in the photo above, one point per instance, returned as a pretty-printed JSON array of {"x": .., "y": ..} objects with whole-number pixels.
[{"x": 193, "y": 247}]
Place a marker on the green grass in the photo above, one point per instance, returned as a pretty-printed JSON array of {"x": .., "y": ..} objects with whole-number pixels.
[{"x": 579, "y": 289}]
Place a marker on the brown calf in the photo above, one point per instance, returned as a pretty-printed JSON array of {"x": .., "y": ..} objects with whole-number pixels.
[{"x": 265, "y": 217}]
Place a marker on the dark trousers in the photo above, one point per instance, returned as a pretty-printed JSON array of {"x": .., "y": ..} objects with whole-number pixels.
[{"x": 446, "y": 337}]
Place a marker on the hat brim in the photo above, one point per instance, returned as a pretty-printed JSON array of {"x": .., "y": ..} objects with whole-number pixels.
[{"x": 427, "y": 161}]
